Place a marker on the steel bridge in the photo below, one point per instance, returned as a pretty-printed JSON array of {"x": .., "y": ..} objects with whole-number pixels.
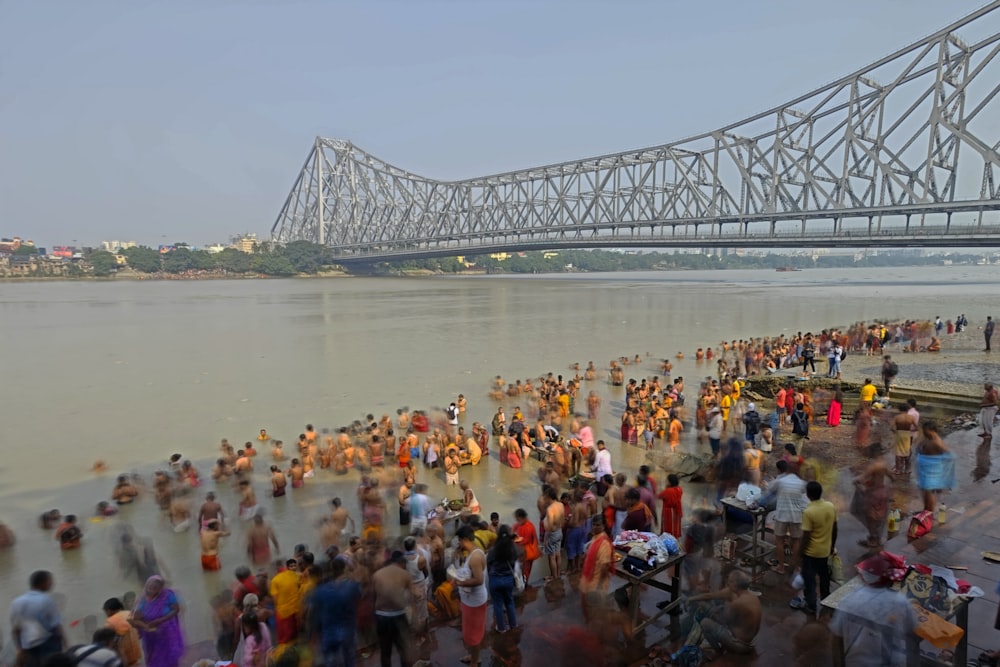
[{"x": 904, "y": 152}]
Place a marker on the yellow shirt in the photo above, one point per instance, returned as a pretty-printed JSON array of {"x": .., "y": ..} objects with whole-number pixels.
[
  {"x": 736, "y": 390},
  {"x": 725, "y": 404},
  {"x": 817, "y": 519},
  {"x": 286, "y": 591},
  {"x": 486, "y": 538},
  {"x": 868, "y": 393}
]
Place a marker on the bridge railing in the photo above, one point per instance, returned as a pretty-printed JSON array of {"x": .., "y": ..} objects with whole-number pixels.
[{"x": 554, "y": 237}]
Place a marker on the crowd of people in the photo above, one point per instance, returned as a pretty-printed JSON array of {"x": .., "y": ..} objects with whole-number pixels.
[{"x": 377, "y": 584}]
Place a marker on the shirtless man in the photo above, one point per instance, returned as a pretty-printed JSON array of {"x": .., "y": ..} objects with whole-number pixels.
[
  {"x": 377, "y": 448},
  {"x": 124, "y": 491},
  {"x": 297, "y": 472},
  {"x": 555, "y": 517},
  {"x": 403, "y": 497},
  {"x": 392, "y": 596},
  {"x": 339, "y": 517},
  {"x": 248, "y": 500},
  {"x": 619, "y": 501},
  {"x": 278, "y": 482},
  {"x": 902, "y": 426},
  {"x": 931, "y": 445},
  {"x": 210, "y": 510},
  {"x": 244, "y": 464},
  {"x": 180, "y": 511},
  {"x": 259, "y": 536},
  {"x": 221, "y": 470},
  {"x": 731, "y": 619},
  {"x": 210, "y": 537},
  {"x": 451, "y": 465},
  {"x": 277, "y": 453}
]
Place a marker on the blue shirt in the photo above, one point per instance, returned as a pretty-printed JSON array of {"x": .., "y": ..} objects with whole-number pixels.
[
  {"x": 34, "y": 617},
  {"x": 334, "y": 610}
]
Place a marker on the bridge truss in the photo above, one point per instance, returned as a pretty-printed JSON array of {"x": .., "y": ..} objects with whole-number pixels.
[{"x": 884, "y": 156}]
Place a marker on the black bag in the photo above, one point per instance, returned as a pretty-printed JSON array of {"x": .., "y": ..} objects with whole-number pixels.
[
  {"x": 635, "y": 566},
  {"x": 892, "y": 370}
]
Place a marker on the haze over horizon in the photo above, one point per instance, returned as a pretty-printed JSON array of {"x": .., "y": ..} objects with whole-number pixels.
[{"x": 189, "y": 121}]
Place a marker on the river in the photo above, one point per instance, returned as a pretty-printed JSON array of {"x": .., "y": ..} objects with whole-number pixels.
[{"x": 131, "y": 372}]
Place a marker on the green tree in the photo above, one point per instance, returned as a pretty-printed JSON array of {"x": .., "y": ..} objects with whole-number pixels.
[
  {"x": 23, "y": 250},
  {"x": 204, "y": 260},
  {"x": 272, "y": 265},
  {"x": 178, "y": 261},
  {"x": 103, "y": 263},
  {"x": 233, "y": 261},
  {"x": 143, "y": 259},
  {"x": 305, "y": 256}
]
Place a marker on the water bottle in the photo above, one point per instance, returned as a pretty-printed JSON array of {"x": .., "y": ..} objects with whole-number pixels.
[
  {"x": 893, "y": 520},
  {"x": 942, "y": 514}
]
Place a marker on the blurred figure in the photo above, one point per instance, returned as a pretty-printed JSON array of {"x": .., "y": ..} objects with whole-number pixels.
[
  {"x": 870, "y": 504},
  {"x": 871, "y": 626}
]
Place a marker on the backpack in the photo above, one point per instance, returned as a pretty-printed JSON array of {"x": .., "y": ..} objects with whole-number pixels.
[
  {"x": 452, "y": 412},
  {"x": 843, "y": 353},
  {"x": 752, "y": 421},
  {"x": 892, "y": 370}
]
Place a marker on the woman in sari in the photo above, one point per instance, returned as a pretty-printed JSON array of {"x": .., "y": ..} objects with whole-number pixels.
[
  {"x": 836, "y": 406},
  {"x": 156, "y": 618}
]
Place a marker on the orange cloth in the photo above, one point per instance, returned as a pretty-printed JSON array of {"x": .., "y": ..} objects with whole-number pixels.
[{"x": 210, "y": 563}]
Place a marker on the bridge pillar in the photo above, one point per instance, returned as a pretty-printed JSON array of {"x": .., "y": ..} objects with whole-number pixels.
[
  {"x": 947, "y": 224},
  {"x": 907, "y": 223}
]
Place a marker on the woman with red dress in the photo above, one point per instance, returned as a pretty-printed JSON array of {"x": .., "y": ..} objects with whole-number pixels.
[{"x": 672, "y": 510}]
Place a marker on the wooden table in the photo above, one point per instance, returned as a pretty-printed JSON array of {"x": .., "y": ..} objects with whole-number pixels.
[
  {"x": 754, "y": 547},
  {"x": 959, "y": 616},
  {"x": 649, "y": 578}
]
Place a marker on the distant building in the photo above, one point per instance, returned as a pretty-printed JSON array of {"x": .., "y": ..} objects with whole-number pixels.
[
  {"x": 245, "y": 243},
  {"x": 215, "y": 248},
  {"x": 117, "y": 246},
  {"x": 499, "y": 256}
]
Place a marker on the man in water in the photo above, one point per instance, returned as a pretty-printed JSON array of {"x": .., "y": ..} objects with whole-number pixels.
[
  {"x": 210, "y": 537},
  {"x": 210, "y": 510},
  {"x": 259, "y": 538},
  {"x": 555, "y": 517}
]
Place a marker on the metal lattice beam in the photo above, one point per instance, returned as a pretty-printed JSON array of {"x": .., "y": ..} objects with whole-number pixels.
[{"x": 913, "y": 134}]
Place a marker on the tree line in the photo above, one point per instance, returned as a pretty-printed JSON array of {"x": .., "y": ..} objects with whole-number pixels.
[
  {"x": 304, "y": 257},
  {"x": 272, "y": 260}
]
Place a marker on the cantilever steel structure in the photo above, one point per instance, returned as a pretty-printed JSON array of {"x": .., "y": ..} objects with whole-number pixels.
[{"x": 884, "y": 156}]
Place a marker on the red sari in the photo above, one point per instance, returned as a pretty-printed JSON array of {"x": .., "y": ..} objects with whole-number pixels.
[{"x": 671, "y": 511}]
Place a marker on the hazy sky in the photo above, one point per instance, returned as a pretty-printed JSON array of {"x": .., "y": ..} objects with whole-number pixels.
[{"x": 189, "y": 119}]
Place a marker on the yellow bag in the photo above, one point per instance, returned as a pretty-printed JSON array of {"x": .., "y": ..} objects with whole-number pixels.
[{"x": 935, "y": 629}]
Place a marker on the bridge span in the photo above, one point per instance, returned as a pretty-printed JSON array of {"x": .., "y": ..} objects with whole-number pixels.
[{"x": 903, "y": 152}]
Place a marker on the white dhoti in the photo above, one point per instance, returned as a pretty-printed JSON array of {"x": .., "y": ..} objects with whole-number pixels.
[{"x": 986, "y": 417}]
